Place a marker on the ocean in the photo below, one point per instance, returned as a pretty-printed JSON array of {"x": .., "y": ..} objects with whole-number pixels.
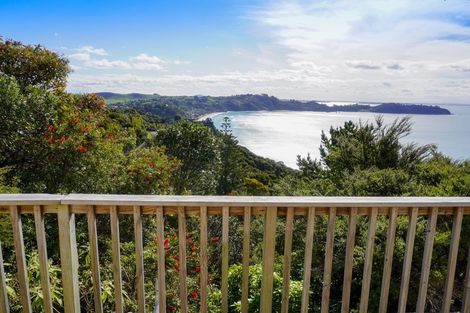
[{"x": 282, "y": 135}]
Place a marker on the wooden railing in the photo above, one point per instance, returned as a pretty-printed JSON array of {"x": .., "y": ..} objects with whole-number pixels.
[{"x": 66, "y": 207}]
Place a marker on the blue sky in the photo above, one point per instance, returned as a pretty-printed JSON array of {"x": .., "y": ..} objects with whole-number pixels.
[{"x": 407, "y": 51}]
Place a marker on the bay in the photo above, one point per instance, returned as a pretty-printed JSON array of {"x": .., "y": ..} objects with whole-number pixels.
[{"x": 282, "y": 135}]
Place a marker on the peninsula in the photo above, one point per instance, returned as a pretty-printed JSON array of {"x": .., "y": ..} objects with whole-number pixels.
[{"x": 192, "y": 107}]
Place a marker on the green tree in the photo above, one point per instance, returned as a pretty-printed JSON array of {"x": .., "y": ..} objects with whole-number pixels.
[
  {"x": 230, "y": 177},
  {"x": 361, "y": 146},
  {"x": 195, "y": 147},
  {"x": 33, "y": 65}
]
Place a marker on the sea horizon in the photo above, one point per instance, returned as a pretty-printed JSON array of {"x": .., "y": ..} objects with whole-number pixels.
[{"x": 282, "y": 135}]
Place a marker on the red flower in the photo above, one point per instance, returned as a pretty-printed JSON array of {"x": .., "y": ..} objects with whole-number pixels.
[
  {"x": 177, "y": 266},
  {"x": 198, "y": 269},
  {"x": 171, "y": 308},
  {"x": 194, "y": 294},
  {"x": 174, "y": 235},
  {"x": 166, "y": 243},
  {"x": 85, "y": 130},
  {"x": 82, "y": 149},
  {"x": 50, "y": 128},
  {"x": 215, "y": 239},
  {"x": 62, "y": 139},
  {"x": 193, "y": 248},
  {"x": 151, "y": 165}
]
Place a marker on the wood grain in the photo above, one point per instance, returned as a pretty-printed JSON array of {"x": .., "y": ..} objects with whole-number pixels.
[
  {"x": 406, "y": 271},
  {"x": 330, "y": 236},
  {"x": 246, "y": 259},
  {"x": 43, "y": 261},
  {"x": 388, "y": 260},
  {"x": 368, "y": 258},
  {"x": 348, "y": 261},
  {"x": 269, "y": 243},
  {"x": 452, "y": 262},
  {"x": 116, "y": 257},
  {"x": 308, "y": 259},
  {"x": 287, "y": 260},
  {"x": 426, "y": 263}
]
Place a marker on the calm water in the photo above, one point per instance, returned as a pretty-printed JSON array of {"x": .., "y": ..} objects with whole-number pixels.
[{"x": 282, "y": 135}]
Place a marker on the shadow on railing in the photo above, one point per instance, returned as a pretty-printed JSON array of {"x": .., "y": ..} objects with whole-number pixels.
[{"x": 272, "y": 208}]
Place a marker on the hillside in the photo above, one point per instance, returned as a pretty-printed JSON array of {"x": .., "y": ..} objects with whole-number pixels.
[
  {"x": 112, "y": 97},
  {"x": 194, "y": 106}
]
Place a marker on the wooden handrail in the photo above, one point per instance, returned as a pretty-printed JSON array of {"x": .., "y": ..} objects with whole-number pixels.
[{"x": 273, "y": 209}]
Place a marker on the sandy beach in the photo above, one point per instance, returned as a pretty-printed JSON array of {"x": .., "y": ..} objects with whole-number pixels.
[{"x": 206, "y": 116}]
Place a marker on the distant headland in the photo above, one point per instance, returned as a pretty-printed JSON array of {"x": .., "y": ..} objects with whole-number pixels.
[{"x": 193, "y": 107}]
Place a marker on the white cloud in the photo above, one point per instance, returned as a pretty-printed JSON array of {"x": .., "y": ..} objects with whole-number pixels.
[
  {"x": 415, "y": 46},
  {"x": 85, "y": 53},
  {"x": 79, "y": 56},
  {"x": 105, "y": 63},
  {"x": 146, "y": 66},
  {"x": 92, "y": 50},
  {"x": 369, "y": 50},
  {"x": 144, "y": 61},
  {"x": 180, "y": 62},
  {"x": 145, "y": 58}
]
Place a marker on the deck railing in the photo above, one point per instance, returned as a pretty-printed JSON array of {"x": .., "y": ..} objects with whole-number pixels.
[{"x": 66, "y": 207}]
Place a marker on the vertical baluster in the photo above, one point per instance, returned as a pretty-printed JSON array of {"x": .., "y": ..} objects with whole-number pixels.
[
  {"x": 388, "y": 260},
  {"x": 182, "y": 259},
  {"x": 426, "y": 264},
  {"x": 308, "y": 259},
  {"x": 4, "y": 305},
  {"x": 368, "y": 258},
  {"x": 116, "y": 256},
  {"x": 287, "y": 260},
  {"x": 269, "y": 242},
  {"x": 405, "y": 275},
  {"x": 161, "y": 260},
  {"x": 330, "y": 236},
  {"x": 348, "y": 260},
  {"x": 204, "y": 260},
  {"x": 43, "y": 262},
  {"x": 69, "y": 259},
  {"x": 139, "y": 259},
  {"x": 246, "y": 259},
  {"x": 225, "y": 254},
  {"x": 95, "y": 263},
  {"x": 21, "y": 265},
  {"x": 466, "y": 289},
  {"x": 452, "y": 262}
]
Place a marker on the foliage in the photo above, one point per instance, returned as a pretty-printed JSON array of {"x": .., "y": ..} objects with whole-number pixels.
[
  {"x": 191, "y": 107},
  {"x": 35, "y": 286},
  {"x": 33, "y": 65},
  {"x": 367, "y": 145},
  {"x": 230, "y": 177},
  {"x": 56, "y": 142},
  {"x": 254, "y": 295},
  {"x": 195, "y": 146}
]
